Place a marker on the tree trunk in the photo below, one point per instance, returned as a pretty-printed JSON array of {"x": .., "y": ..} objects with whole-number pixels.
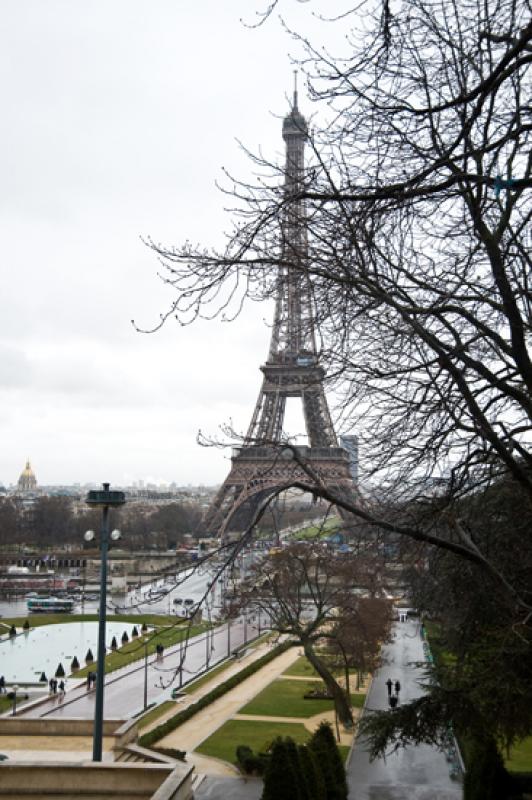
[
  {"x": 347, "y": 684},
  {"x": 336, "y": 691}
]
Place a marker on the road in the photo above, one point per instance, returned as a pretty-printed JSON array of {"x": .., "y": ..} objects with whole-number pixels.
[
  {"x": 412, "y": 773},
  {"x": 124, "y": 689}
]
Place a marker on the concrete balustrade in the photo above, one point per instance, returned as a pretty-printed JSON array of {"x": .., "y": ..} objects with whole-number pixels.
[{"x": 95, "y": 781}]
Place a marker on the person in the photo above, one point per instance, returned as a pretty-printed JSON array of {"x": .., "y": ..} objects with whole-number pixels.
[
  {"x": 54, "y": 685},
  {"x": 89, "y": 680},
  {"x": 51, "y": 685},
  {"x": 393, "y": 701},
  {"x": 2, "y": 685},
  {"x": 397, "y": 687},
  {"x": 61, "y": 689},
  {"x": 389, "y": 684}
]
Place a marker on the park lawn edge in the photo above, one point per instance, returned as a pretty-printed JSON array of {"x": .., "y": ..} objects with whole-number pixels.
[{"x": 178, "y": 719}]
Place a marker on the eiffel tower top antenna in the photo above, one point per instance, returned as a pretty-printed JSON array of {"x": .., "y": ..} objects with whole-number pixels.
[{"x": 294, "y": 104}]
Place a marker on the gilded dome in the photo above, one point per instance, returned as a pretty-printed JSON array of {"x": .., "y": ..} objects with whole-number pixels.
[{"x": 27, "y": 481}]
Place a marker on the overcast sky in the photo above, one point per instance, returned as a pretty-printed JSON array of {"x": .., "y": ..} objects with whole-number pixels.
[{"x": 118, "y": 116}]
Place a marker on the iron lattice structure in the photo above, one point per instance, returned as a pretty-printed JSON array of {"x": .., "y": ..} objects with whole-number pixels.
[{"x": 260, "y": 468}]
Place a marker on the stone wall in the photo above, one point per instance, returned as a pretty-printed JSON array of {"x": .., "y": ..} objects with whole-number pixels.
[{"x": 94, "y": 781}]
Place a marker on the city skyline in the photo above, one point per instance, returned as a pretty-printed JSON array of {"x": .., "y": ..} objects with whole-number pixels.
[{"x": 120, "y": 122}]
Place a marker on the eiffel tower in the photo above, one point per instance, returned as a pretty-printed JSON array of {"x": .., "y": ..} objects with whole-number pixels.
[{"x": 259, "y": 468}]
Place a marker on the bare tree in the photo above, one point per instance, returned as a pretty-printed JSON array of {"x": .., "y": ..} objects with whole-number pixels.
[
  {"x": 417, "y": 244},
  {"x": 418, "y": 230},
  {"x": 307, "y": 591}
]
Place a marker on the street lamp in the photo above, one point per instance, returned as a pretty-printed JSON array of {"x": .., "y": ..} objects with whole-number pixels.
[
  {"x": 106, "y": 499},
  {"x": 145, "y": 674},
  {"x": 15, "y": 690}
]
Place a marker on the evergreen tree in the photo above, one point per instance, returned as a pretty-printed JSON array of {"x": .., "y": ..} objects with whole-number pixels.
[
  {"x": 114, "y": 643},
  {"x": 312, "y": 774},
  {"x": 330, "y": 761},
  {"x": 486, "y": 778},
  {"x": 293, "y": 754},
  {"x": 280, "y": 779},
  {"x": 60, "y": 672}
]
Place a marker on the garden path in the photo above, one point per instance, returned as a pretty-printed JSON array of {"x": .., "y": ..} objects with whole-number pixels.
[{"x": 193, "y": 732}]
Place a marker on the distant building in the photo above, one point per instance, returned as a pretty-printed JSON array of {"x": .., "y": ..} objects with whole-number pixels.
[
  {"x": 350, "y": 445},
  {"x": 27, "y": 481}
]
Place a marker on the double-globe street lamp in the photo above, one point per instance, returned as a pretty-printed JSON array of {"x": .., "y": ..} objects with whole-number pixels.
[{"x": 106, "y": 499}]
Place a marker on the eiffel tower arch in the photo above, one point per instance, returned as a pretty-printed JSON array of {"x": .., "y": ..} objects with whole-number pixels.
[{"x": 259, "y": 468}]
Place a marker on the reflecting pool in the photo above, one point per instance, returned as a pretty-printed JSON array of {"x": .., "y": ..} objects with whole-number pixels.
[{"x": 24, "y": 657}]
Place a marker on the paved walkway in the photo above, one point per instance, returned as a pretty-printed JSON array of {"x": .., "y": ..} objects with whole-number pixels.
[
  {"x": 193, "y": 732},
  {"x": 412, "y": 773}
]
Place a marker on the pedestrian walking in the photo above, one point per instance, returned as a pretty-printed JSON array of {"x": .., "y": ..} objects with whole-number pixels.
[
  {"x": 397, "y": 687},
  {"x": 389, "y": 684},
  {"x": 61, "y": 689},
  {"x": 2, "y": 685},
  {"x": 89, "y": 680},
  {"x": 54, "y": 685},
  {"x": 51, "y": 686}
]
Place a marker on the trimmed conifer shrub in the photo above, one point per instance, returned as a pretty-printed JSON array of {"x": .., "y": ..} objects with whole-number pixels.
[
  {"x": 281, "y": 779},
  {"x": 293, "y": 754},
  {"x": 125, "y": 638},
  {"x": 114, "y": 643},
  {"x": 74, "y": 666},
  {"x": 89, "y": 658},
  {"x": 312, "y": 774},
  {"x": 26, "y": 625},
  {"x": 60, "y": 672},
  {"x": 328, "y": 757},
  {"x": 144, "y": 628}
]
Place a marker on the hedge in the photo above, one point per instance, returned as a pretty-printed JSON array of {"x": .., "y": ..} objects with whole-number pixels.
[{"x": 174, "y": 722}]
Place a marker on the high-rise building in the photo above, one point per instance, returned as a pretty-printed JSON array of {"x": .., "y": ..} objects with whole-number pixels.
[{"x": 350, "y": 444}]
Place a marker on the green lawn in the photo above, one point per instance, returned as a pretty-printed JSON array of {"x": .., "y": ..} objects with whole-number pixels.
[
  {"x": 520, "y": 759},
  {"x": 155, "y": 713},
  {"x": 5, "y": 704},
  {"x": 302, "y": 669},
  {"x": 36, "y": 620},
  {"x": 134, "y": 649},
  {"x": 257, "y": 735},
  {"x": 284, "y": 698},
  {"x": 330, "y": 526}
]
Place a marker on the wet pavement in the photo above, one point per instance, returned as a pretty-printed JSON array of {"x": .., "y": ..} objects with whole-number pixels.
[
  {"x": 412, "y": 773},
  {"x": 217, "y": 788},
  {"x": 25, "y": 656}
]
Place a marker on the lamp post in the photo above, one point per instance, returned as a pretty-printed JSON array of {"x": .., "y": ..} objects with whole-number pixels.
[
  {"x": 106, "y": 499},
  {"x": 15, "y": 689},
  {"x": 145, "y": 674}
]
